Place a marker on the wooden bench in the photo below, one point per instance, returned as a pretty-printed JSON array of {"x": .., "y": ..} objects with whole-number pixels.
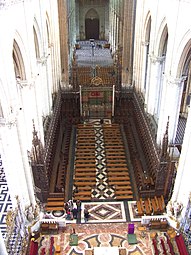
[
  {"x": 80, "y": 165},
  {"x": 115, "y": 156},
  {"x": 118, "y": 173},
  {"x": 114, "y": 151},
  {"x": 83, "y": 193},
  {"x": 112, "y": 143},
  {"x": 119, "y": 178},
  {"x": 116, "y": 164},
  {"x": 54, "y": 208},
  {"x": 126, "y": 187},
  {"x": 85, "y": 161},
  {"x": 55, "y": 203},
  {"x": 116, "y": 147},
  {"x": 147, "y": 207},
  {"x": 84, "y": 183},
  {"x": 116, "y": 161},
  {"x": 161, "y": 203},
  {"x": 81, "y": 188},
  {"x": 78, "y": 174},
  {"x": 124, "y": 197},
  {"x": 110, "y": 169},
  {"x": 80, "y": 154},
  {"x": 119, "y": 183},
  {"x": 82, "y": 158},
  {"x": 83, "y": 198},
  {"x": 139, "y": 208},
  {"x": 84, "y": 178},
  {"x": 44, "y": 227},
  {"x": 154, "y": 206},
  {"x": 85, "y": 170},
  {"x": 125, "y": 192},
  {"x": 82, "y": 146},
  {"x": 55, "y": 199}
]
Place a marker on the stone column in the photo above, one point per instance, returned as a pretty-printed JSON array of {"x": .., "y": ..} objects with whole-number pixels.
[
  {"x": 144, "y": 61},
  {"x": 128, "y": 30},
  {"x": 17, "y": 169},
  {"x": 153, "y": 93},
  {"x": 27, "y": 171},
  {"x": 64, "y": 51},
  {"x": 170, "y": 106},
  {"x": 182, "y": 187}
]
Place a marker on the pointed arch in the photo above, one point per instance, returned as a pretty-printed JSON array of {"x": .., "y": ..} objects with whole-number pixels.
[
  {"x": 48, "y": 31},
  {"x": 162, "y": 38},
  {"x": 92, "y": 24},
  {"x": 161, "y": 46},
  {"x": 37, "y": 39},
  {"x": 18, "y": 62},
  {"x": 146, "y": 47},
  {"x": 184, "y": 70}
]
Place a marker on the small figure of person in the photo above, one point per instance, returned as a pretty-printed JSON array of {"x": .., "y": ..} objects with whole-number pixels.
[
  {"x": 70, "y": 204},
  {"x": 101, "y": 121},
  {"x": 78, "y": 204},
  {"x": 75, "y": 212},
  {"x": 69, "y": 215},
  {"x": 86, "y": 215}
]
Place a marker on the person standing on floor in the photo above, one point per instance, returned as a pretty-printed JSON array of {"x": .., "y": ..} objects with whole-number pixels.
[
  {"x": 75, "y": 212},
  {"x": 78, "y": 204},
  {"x": 86, "y": 215}
]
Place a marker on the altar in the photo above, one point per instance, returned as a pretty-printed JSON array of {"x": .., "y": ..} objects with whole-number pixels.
[{"x": 106, "y": 251}]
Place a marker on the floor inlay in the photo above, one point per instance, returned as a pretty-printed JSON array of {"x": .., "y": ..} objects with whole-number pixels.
[{"x": 104, "y": 212}]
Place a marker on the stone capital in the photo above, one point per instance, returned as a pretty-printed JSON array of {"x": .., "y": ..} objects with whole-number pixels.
[
  {"x": 25, "y": 83},
  {"x": 175, "y": 82},
  {"x": 8, "y": 122},
  {"x": 156, "y": 59},
  {"x": 144, "y": 43}
]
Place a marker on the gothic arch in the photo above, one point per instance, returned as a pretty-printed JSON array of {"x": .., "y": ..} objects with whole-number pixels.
[
  {"x": 48, "y": 32},
  {"x": 184, "y": 72},
  {"x": 147, "y": 28},
  {"x": 18, "y": 62},
  {"x": 146, "y": 47},
  {"x": 37, "y": 39},
  {"x": 92, "y": 24},
  {"x": 161, "y": 46},
  {"x": 92, "y": 14},
  {"x": 162, "y": 39}
]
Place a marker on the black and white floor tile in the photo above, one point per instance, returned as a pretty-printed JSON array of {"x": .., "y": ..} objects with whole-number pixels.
[{"x": 102, "y": 212}]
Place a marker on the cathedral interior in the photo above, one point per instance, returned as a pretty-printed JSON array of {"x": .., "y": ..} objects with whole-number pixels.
[{"x": 94, "y": 117}]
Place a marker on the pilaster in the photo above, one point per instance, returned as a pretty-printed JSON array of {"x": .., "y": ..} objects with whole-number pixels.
[{"x": 182, "y": 186}]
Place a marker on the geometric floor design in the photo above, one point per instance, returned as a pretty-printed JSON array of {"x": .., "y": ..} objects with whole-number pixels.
[
  {"x": 102, "y": 190},
  {"x": 5, "y": 206},
  {"x": 5, "y": 200},
  {"x": 101, "y": 212},
  {"x": 100, "y": 235}
]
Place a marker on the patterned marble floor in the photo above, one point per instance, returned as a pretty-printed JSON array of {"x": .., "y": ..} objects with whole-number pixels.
[
  {"x": 105, "y": 235},
  {"x": 5, "y": 200},
  {"x": 101, "y": 212},
  {"x": 101, "y": 235}
]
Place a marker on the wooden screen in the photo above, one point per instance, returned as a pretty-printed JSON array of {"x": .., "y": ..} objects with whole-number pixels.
[{"x": 97, "y": 102}]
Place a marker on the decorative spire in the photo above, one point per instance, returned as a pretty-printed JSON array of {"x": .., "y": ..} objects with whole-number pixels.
[
  {"x": 165, "y": 142},
  {"x": 37, "y": 150}
]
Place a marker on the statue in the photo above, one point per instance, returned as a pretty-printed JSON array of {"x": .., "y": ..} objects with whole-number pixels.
[
  {"x": 36, "y": 211},
  {"x": 30, "y": 213}
]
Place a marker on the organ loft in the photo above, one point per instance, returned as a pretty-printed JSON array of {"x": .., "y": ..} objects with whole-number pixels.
[{"x": 94, "y": 108}]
